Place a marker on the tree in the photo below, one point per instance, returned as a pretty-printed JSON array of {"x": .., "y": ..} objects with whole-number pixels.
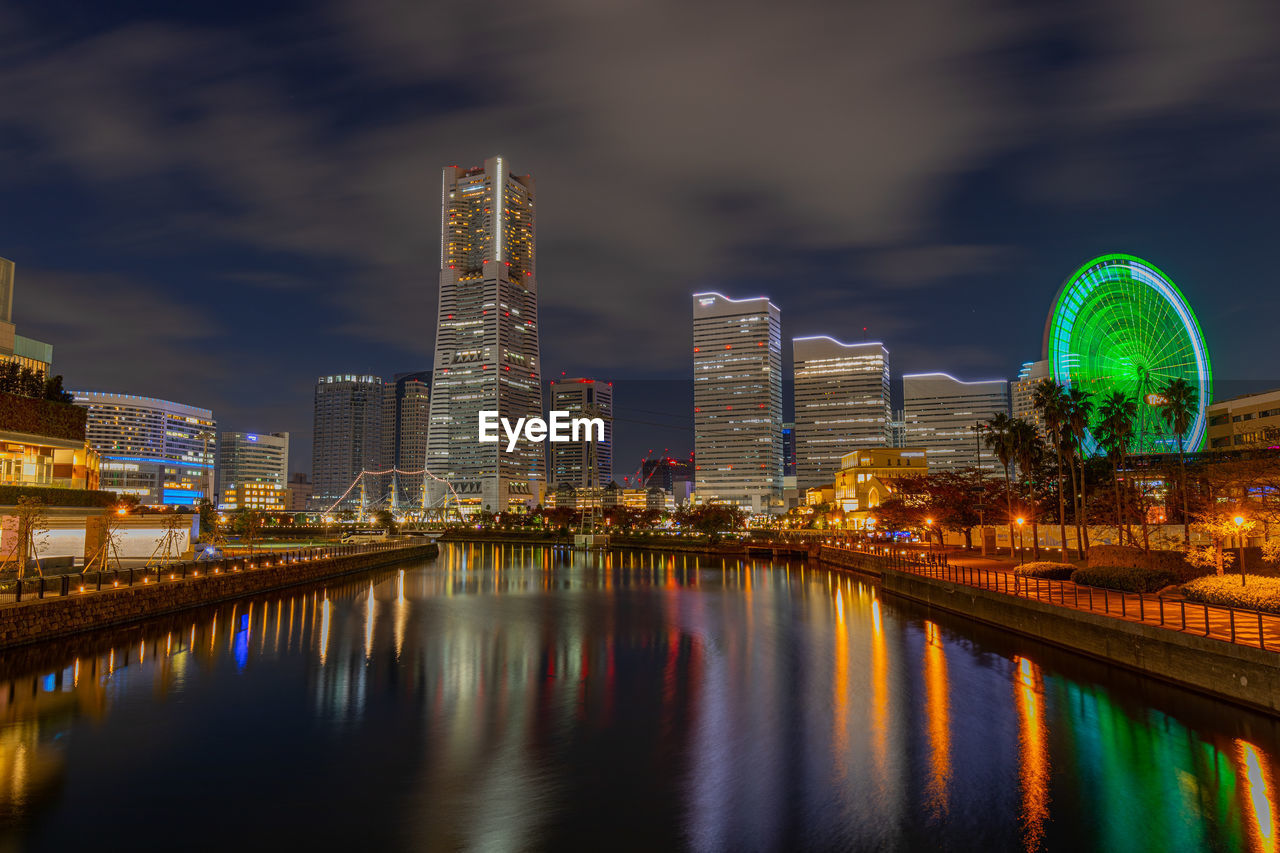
[
  {"x": 1079, "y": 408},
  {"x": 1179, "y": 404},
  {"x": 385, "y": 520},
  {"x": 1028, "y": 448},
  {"x": 1116, "y": 432},
  {"x": 711, "y": 519},
  {"x": 246, "y": 525},
  {"x": 998, "y": 437},
  {"x": 208, "y": 519},
  {"x": 953, "y": 497},
  {"x": 30, "y": 535},
  {"x": 1050, "y": 400}
]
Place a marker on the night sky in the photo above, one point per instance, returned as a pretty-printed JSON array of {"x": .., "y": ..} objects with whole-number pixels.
[{"x": 217, "y": 203}]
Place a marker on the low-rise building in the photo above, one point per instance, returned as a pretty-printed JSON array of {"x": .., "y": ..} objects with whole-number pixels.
[
  {"x": 868, "y": 477},
  {"x": 259, "y": 497},
  {"x": 43, "y": 444},
  {"x": 1249, "y": 420}
]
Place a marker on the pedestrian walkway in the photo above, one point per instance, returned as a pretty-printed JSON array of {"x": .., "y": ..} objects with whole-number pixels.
[{"x": 1233, "y": 625}]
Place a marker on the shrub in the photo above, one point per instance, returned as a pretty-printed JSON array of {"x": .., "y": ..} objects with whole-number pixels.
[
  {"x": 1258, "y": 593},
  {"x": 53, "y": 496},
  {"x": 1127, "y": 578},
  {"x": 1046, "y": 571},
  {"x": 42, "y": 417}
]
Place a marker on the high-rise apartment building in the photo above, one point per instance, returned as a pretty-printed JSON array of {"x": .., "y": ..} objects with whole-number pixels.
[
  {"x": 571, "y": 461},
  {"x": 737, "y": 401},
  {"x": 25, "y": 352},
  {"x": 942, "y": 414},
  {"x": 159, "y": 451},
  {"x": 486, "y": 340},
  {"x": 253, "y": 470},
  {"x": 1022, "y": 392},
  {"x": 406, "y": 414},
  {"x": 347, "y": 439},
  {"x": 842, "y": 404}
]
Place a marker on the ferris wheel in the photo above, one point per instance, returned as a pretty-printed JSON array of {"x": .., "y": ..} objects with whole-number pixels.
[{"x": 1120, "y": 324}]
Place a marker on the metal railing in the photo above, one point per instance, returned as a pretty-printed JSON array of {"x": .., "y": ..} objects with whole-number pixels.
[
  {"x": 1232, "y": 624},
  {"x": 15, "y": 590}
]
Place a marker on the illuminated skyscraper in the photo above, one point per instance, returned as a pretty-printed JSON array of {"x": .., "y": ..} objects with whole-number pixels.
[
  {"x": 571, "y": 460},
  {"x": 737, "y": 401},
  {"x": 842, "y": 404},
  {"x": 346, "y": 439},
  {"x": 940, "y": 413},
  {"x": 255, "y": 468},
  {"x": 486, "y": 339},
  {"x": 406, "y": 412}
]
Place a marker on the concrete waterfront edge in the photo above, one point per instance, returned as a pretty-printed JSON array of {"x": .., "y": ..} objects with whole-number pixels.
[
  {"x": 51, "y": 618},
  {"x": 1242, "y": 674}
]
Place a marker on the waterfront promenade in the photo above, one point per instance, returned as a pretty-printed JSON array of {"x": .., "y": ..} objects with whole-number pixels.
[{"x": 42, "y": 608}]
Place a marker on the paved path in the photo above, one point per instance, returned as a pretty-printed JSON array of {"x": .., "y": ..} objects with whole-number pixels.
[{"x": 1247, "y": 627}]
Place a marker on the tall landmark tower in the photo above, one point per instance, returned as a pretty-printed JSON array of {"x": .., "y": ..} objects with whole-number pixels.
[{"x": 486, "y": 340}]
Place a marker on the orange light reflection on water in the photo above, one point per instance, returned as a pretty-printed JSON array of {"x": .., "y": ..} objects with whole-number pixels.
[{"x": 1033, "y": 751}]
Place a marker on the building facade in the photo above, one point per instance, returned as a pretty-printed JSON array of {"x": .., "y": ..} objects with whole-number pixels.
[
  {"x": 253, "y": 470},
  {"x": 1022, "y": 392},
  {"x": 737, "y": 401},
  {"x": 942, "y": 414},
  {"x": 582, "y": 464},
  {"x": 299, "y": 492},
  {"x": 346, "y": 440},
  {"x": 159, "y": 451},
  {"x": 842, "y": 404},
  {"x": 486, "y": 340},
  {"x": 14, "y": 348},
  {"x": 406, "y": 414},
  {"x": 1248, "y": 421},
  {"x": 868, "y": 477}
]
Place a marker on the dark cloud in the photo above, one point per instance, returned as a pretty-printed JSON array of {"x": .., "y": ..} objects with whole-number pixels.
[{"x": 275, "y": 177}]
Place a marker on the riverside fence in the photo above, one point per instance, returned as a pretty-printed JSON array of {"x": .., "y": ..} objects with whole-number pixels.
[
  {"x": 1231, "y": 624},
  {"x": 15, "y": 590}
]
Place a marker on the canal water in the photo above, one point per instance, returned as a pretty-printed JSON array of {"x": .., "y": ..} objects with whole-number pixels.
[{"x": 517, "y": 698}]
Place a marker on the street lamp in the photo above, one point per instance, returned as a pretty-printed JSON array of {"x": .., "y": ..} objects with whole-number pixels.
[
  {"x": 1022, "y": 553},
  {"x": 1239, "y": 520},
  {"x": 928, "y": 522}
]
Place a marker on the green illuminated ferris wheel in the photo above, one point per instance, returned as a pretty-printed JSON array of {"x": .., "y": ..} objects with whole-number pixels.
[{"x": 1120, "y": 324}]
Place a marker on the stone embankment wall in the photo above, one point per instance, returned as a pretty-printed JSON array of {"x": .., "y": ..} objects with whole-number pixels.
[{"x": 43, "y": 619}]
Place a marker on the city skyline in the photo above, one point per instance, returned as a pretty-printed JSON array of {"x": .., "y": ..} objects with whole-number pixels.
[{"x": 307, "y": 242}]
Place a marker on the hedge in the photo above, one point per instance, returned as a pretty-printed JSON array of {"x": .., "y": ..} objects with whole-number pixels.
[
  {"x": 42, "y": 417},
  {"x": 57, "y": 497},
  {"x": 1045, "y": 571},
  {"x": 1123, "y": 557},
  {"x": 1127, "y": 578},
  {"x": 1258, "y": 593}
]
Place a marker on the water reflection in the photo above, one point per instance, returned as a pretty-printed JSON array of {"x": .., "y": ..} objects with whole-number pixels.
[{"x": 537, "y": 698}]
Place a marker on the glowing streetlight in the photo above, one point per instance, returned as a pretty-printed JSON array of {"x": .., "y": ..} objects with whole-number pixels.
[{"x": 1022, "y": 552}]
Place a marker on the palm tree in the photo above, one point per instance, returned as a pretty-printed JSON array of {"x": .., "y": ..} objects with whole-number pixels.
[
  {"x": 997, "y": 435},
  {"x": 1027, "y": 448},
  {"x": 1116, "y": 428},
  {"x": 1079, "y": 407},
  {"x": 1179, "y": 406},
  {"x": 1050, "y": 401}
]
